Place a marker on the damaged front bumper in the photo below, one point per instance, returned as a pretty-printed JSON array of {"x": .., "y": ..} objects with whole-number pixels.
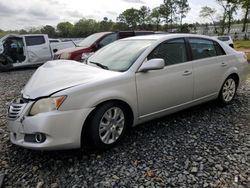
[{"x": 54, "y": 130}]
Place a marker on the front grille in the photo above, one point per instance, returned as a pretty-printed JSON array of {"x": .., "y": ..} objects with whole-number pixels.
[{"x": 15, "y": 110}]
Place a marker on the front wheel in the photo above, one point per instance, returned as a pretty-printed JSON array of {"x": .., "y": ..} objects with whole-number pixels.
[
  {"x": 107, "y": 126},
  {"x": 5, "y": 63},
  {"x": 228, "y": 91}
]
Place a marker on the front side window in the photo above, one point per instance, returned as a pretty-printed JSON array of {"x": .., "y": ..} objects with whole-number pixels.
[
  {"x": 108, "y": 39},
  {"x": 173, "y": 52},
  {"x": 202, "y": 48},
  {"x": 34, "y": 40}
]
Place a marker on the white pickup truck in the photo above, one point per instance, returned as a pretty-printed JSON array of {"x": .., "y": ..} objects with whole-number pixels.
[{"x": 26, "y": 50}]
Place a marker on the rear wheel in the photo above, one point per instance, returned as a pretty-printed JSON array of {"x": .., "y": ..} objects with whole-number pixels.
[
  {"x": 106, "y": 126},
  {"x": 228, "y": 90}
]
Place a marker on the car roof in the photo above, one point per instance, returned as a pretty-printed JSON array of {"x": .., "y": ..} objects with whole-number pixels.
[{"x": 166, "y": 36}]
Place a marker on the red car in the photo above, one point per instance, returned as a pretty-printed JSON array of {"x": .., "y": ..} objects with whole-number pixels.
[{"x": 94, "y": 42}]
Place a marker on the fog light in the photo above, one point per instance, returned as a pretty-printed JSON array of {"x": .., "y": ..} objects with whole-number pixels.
[
  {"x": 35, "y": 138},
  {"x": 39, "y": 137}
]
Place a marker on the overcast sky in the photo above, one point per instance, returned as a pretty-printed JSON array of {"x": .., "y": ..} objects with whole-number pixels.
[{"x": 18, "y": 14}]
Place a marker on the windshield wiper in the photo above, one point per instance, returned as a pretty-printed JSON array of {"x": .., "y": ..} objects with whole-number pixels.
[{"x": 100, "y": 65}]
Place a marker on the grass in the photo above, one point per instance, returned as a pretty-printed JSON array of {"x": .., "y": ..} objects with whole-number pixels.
[{"x": 243, "y": 45}]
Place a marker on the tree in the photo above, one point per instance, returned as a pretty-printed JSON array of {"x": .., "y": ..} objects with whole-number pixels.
[
  {"x": 49, "y": 30},
  {"x": 34, "y": 30},
  {"x": 156, "y": 17},
  {"x": 85, "y": 27},
  {"x": 65, "y": 29},
  {"x": 208, "y": 12},
  {"x": 129, "y": 17},
  {"x": 144, "y": 16},
  {"x": 245, "y": 5},
  {"x": 229, "y": 8},
  {"x": 119, "y": 26},
  {"x": 105, "y": 25},
  {"x": 168, "y": 11},
  {"x": 182, "y": 9}
]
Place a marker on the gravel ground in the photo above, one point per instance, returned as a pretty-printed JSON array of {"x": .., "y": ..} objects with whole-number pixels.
[{"x": 205, "y": 146}]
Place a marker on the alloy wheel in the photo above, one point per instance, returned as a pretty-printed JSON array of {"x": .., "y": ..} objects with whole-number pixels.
[
  {"x": 111, "y": 125},
  {"x": 228, "y": 90}
]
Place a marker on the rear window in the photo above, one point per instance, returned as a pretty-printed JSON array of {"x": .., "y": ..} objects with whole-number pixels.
[
  {"x": 202, "y": 48},
  {"x": 34, "y": 40},
  {"x": 224, "y": 38},
  {"x": 219, "y": 50}
]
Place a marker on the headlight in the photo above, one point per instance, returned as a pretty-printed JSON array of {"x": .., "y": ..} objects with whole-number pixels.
[
  {"x": 65, "y": 55},
  {"x": 47, "y": 105}
]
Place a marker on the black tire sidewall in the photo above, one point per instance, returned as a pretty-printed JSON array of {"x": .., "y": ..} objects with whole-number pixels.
[
  {"x": 94, "y": 140},
  {"x": 7, "y": 66}
]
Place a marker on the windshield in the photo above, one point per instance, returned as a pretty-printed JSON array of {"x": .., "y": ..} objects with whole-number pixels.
[
  {"x": 120, "y": 55},
  {"x": 87, "y": 42}
]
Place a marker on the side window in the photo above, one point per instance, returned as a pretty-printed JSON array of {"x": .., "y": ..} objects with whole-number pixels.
[
  {"x": 202, "y": 48},
  {"x": 173, "y": 52},
  {"x": 34, "y": 40},
  {"x": 108, "y": 39},
  {"x": 219, "y": 50}
]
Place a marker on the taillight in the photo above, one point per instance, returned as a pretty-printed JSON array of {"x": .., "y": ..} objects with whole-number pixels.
[{"x": 245, "y": 56}]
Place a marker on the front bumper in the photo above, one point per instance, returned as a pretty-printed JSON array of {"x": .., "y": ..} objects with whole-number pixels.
[{"x": 61, "y": 128}]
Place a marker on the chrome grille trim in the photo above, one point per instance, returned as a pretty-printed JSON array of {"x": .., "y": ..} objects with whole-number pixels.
[{"x": 15, "y": 110}]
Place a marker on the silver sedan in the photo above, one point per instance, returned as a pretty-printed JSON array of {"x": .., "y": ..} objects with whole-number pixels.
[{"x": 67, "y": 104}]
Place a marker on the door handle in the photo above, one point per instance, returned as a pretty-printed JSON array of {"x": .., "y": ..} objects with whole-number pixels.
[
  {"x": 187, "y": 72},
  {"x": 223, "y": 64}
]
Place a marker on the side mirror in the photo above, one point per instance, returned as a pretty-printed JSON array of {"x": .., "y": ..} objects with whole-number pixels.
[
  {"x": 55, "y": 50},
  {"x": 152, "y": 64}
]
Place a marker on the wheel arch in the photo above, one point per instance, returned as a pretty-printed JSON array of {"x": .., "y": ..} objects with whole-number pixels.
[
  {"x": 90, "y": 115},
  {"x": 231, "y": 72}
]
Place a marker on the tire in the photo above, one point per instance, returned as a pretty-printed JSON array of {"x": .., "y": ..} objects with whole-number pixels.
[
  {"x": 228, "y": 90},
  {"x": 106, "y": 127},
  {"x": 5, "y": 63}
]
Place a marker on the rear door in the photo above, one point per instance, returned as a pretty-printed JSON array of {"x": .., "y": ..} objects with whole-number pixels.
[
  {"x": 208, "y": 69},
  {"x": 38, "y": 49}
]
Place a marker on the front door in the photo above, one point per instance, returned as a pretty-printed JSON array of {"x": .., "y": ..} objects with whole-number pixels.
[
  {"x": 160, "y": 90},
  {"x": 38, "y": 49}
]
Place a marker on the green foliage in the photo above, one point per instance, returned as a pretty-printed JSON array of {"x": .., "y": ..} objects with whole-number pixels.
[
  {"x": 156, "y": 17},
  {"x": 182, "y": 9},
  {"x": 85, "y": 27},
  {"x": 242, "y": 44},
  {"x": 130, "y": 17},
  {"x": 168, "y": 10},
  {"x": 65, "y": 29},
  {"x": 144, "y": 16},
  {"x": 49, "y": 30}
]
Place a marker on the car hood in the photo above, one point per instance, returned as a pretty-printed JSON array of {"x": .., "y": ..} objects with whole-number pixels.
[
  {"x": 58, "y": 75},
  {"x": 70, "y": 50}
]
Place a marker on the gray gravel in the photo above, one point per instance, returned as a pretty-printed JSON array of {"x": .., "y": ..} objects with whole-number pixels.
[{"x": 205, "y": 146}]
